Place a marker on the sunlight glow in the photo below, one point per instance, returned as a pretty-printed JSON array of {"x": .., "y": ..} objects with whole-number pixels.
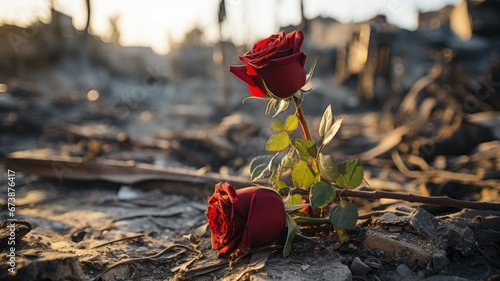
[
  {"x": 158, "y": 23},
  {"x": 93, "y": 95}
]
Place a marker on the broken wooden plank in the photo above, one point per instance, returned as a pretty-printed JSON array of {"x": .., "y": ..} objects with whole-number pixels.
[{"x": 46, "y": 164}]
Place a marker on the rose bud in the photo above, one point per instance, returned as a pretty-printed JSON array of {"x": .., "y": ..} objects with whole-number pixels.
[
  {"x": 276, "y": 63},
  {"x": 245, "y": 218}
]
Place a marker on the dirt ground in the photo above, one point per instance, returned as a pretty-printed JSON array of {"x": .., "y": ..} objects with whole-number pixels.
[
  {"x": 104, "y": 231},
  {"x": 114, "y": 159},
  {"x": 102, "y": 206}
]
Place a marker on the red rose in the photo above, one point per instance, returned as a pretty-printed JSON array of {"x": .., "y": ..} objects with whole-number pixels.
[
  {"x": 278, "y": 62},
  {"x": 245, "y": 218}
]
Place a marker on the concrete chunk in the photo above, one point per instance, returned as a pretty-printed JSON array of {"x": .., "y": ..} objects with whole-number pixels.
[
  {"x": 397, "y": 251},
  {"x": 442, "y": 233}
]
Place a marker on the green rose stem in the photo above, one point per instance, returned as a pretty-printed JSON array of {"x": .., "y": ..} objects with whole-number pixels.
[
  {"x": 433, "y": 200},
  {"x": 302, "y": 118},
  {"x": 305, "y": 221}
]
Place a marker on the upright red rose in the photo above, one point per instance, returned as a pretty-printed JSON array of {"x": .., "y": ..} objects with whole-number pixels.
[
  {"x": 245, "y": 218},
  {"x": 276, "y": 61}
]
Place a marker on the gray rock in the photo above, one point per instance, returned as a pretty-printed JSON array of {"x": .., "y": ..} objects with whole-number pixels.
[
  {"x": 337, "y": 272},
  {"x": 442, "y": 233},
  {"x": 406, "y": 273},
  {"x": 359, "y": 268},
  {"x": 440, "y": 261},
  {"x": 396, "y": 251}
]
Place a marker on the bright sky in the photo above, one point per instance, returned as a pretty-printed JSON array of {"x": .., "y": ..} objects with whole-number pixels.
[{"x": 156, "y": 22}]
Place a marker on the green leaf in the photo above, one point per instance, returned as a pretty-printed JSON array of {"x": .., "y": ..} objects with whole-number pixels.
[
  {"x": 278, "y": 142},
  {"x": 350, "y": 174},
  {"x": 306, "y": 148},
  {"x": 277, "y": 126},
  {"x": 281, "y": 184},
  {"x": 282, "y": 187},
  {"x": 295, "y": 199},
  {"x": 332, "y": 131},
  {"x": 327, "y": 167},
  {"x": 259, "y": 167},
  {"x": 291, "y": 123},
  {"x": 260, "y": 172},
  {"x": 292, "y": 230},
  {"x": 288, "y": 160},
  {"x": 321, "y": 195},
  {"x": 302, "y": 175},
  {"x": 326, "y": 121},
  {"x": 259, "y": 160},
  {"x": 345, "y": 215}
]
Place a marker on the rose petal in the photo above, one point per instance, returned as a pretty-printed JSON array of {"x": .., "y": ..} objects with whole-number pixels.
[
  {"x": 243, "y": 219},
  {"x": 266, "y": 219},
  {"x": 231, "y": 245},
  {"x": 257, "y": 92},
  {"x": 227, "y": 189},
  {"x": 240, "y": 71},
  {"x": 226, "y": 220},
  {"x": 265, "y": 49},
  {"x": 284, "y": 76},
  {"x": 256, "y": 89},
  {"x": 289, "y": 59},
  {"x": 219, "y": 225},
  {"x": 295, "y": 39}
]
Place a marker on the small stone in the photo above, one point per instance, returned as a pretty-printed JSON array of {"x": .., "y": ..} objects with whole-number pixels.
[
  {"x": 304, "y": 267},
  {"x": 406, "y": 273},
  {"x": 373, "y": 262},
  {"x": 337, "y": 272},
  {"x": 359, "y": 268},
  {"x": 440, "y": 261}
]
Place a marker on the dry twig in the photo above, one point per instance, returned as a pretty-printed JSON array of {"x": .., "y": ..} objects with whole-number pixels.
[{"x": 152, "y": 257}]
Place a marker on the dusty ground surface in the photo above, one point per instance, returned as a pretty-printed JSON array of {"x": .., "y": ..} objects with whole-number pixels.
[
  {"x": 111, "y": 225},
  {"x": 81, "y": 230},
  {"x": 114, "y": 186},
  {"x": 93, "y": 219}
]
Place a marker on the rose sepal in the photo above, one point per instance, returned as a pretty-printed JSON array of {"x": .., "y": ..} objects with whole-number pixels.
[
  {"x": 282, "y": 106},
  {"x": 293, "y": 208},
  {"x": 292, "y": 231}
]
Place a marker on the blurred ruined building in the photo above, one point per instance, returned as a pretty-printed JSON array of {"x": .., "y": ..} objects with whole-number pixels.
[
  {"x": 25, "y": 50},
  {"x": 380, "y": 60},
  {"x": 374, "y": 57}
]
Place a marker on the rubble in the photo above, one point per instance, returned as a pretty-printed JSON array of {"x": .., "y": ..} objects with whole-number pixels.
[
  {"x": 393, "y": 250},
  {"x": 444, "y": 234},
  {"x": 125, "y": 173}
]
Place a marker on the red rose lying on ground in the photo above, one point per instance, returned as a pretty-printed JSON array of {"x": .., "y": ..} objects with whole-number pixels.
[
  {"x": 246, "y": 218},
  {"x": 277, "y": 61}
]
